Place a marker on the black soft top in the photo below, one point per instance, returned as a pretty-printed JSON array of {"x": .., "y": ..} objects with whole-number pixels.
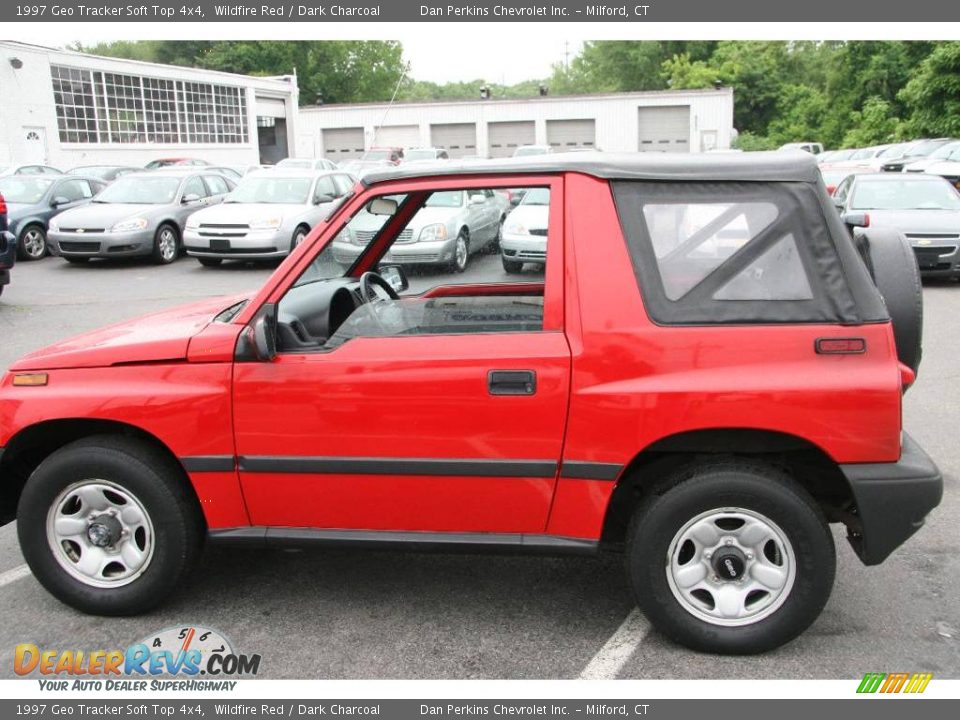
[{"x": 795, "y": 166}]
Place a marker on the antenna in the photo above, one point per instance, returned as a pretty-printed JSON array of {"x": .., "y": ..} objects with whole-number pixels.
[{"x": 376, "y": 128}]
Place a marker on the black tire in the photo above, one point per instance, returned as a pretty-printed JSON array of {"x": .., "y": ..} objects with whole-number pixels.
[
  {"x": 461, "y": 253},
  {"x": 161, "y": 253},
  {"x": 756, "y": 488},
  {"x": 76, "y": 260},
  {"x": 36, "y": 234},
  {"x": 511, "y": 267},
  {"x": 893, "y": 265},
  {"x": 494, "y": 246},
  {"x": 160, "y": 486},
  {"x": 298, "y": 236},
  {"x": 210, "y": 262}
]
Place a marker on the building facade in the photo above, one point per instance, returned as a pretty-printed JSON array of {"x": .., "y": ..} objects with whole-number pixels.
[
  {"x": 677, "y": 121},
  {"x": 66, "y": 109}
]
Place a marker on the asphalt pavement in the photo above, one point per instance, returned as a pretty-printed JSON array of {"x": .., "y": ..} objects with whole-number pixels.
[{"x": 369, "y": 614}]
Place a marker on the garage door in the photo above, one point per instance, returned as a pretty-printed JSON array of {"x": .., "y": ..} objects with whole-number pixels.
[
  {"x": 458, "y": 139},
  {"x": 402, "y": 136},
  {"x": 664, "y": 129},
  {"x": 568, "y": 134},
  {"x": 271, "y": 107},
  {"x": 342, "y": 143},
  {"x": 505, "y": 137}
]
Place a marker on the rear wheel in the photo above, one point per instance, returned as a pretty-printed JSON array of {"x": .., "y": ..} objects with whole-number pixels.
[
  {"x": 734, "y": 558},
  {"x": 166, "y": 245},
  {"x": 32, "y": 244},
  {"x": 108, "y": 525},
  {"x": 210, "y": 262}
]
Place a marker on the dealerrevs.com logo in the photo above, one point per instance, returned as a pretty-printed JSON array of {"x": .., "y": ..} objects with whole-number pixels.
[{"x": 178, "y": 658}]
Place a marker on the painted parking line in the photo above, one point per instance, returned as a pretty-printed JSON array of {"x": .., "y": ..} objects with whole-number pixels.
[
  {"x": 607, "y": 663},
  {"x": 11, "y": 576}
]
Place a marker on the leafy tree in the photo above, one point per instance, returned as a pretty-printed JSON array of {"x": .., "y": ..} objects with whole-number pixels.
[
  {"x": 933, "y": 94},
  {"x": 874, "y": 125}
]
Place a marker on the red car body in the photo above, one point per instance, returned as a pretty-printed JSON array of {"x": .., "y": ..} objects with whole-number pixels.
[{"x": 403, "y": 441}]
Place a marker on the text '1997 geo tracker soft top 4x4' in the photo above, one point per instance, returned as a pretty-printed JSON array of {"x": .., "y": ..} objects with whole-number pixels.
[{"x": 702, "y": 373}]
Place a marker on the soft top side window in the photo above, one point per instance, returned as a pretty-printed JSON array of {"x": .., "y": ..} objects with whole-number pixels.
[{"x": 732, "y": 253}]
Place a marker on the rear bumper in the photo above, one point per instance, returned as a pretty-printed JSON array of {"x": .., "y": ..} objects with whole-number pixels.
[{"x": 892, "y": 500}]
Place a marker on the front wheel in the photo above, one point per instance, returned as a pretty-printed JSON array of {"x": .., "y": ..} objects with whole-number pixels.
[
  {"x": 33, "y": 243},
  {"x": 166, "y": 245},
  {"x": 461, "y": 253},
  {"x": 734, "y": 558},
  {"x": 511, "y": 267},
  {"x": 299, "y": 235},
  {"x": 108, "y": 525}
]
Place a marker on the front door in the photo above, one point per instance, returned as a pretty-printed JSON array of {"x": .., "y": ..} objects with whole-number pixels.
[{"x": 448, "y": 415}]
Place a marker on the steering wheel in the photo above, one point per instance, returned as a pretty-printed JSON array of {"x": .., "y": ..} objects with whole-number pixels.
[{"x": 367, "y": 282}]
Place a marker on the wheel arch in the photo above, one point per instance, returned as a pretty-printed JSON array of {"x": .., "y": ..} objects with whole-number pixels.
[
  {"x": 650, "y": 471},
  {"x": 33, "y": 444}
]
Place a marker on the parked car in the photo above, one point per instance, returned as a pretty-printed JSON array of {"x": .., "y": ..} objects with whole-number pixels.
[
  {"x": 227, "y": 171},
  {"x": 306, "y": 164},
  {"x": 917, "y": 150},
  {"x": 107, "y": 173},
  {"x": 449, "y": 228},
  {"x": 416, "y": 155},
  {"x": 32, "y": 200},
  {"x": 28, "y": 170},
  {"x": 525, "y": 231},
  {"x": 949, "y": 170},
  {"x": 924, "y": 208},
  {"x": 814, "y": 148},
  {"x": 948, "y": 152},
  {"x": 707, "y": 375},
  {"x": 833, "y": 177},
  {"x": 528, "y": 150},
  {"x": 175, "y": 161},
  {"x": 8, "y": 246},
  {"x": 267, "y": 216},
  {"x": 141, "y": 214}
]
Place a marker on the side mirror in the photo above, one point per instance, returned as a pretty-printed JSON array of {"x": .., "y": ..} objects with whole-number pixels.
[
  {"x": 322, "y": 199},
  {"x": 264, "y": 334},
  {"x": 190, "y": 198},
  {"x": 477, "y": 199},
  {"x": 395, "y": 276},
  {"x": 856, "y": 219},
  {"x": 58, "y": 201}
]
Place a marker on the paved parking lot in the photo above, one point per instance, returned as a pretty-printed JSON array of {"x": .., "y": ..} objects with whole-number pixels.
[{"x": 353, "y": 614}]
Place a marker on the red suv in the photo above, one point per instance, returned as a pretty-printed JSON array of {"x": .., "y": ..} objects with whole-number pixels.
[{"x": 701, "y": 373}]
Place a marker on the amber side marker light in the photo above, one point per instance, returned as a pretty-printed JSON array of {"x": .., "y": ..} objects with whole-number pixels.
[
  {"x": 31, "y": 379},
  {"x": 841, "y": 346}
]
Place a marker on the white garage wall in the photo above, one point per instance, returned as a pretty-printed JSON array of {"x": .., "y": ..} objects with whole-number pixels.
[
  {"x": 28, "y": 102},
  {"x": 615, "y": 117}
]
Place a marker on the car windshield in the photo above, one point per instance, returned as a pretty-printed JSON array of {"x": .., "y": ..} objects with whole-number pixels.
[
  {"x": 274, "y": 190},
  {"x": 20, "y": 189},
  {"x": 894, "y": 151},
  {"x": 536, "y": 196},
  {"x": 945, "y": 152},
  {"x": 863, "y": 154},
  {"x": 420, "y": 155},
  {"x": 453, "y": 198},
  {"x": 378, "y": 155},
  {"x": 925, "y": 148},
  {"x": 141, "y": 191},
  {"x": 933, "y": 194}
]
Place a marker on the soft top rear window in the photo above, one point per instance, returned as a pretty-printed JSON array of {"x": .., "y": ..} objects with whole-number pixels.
[{"x": 733, "y": 252}]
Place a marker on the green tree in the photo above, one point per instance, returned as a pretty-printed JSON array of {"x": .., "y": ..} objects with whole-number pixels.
[
  {"x": 933, "y": 94},
  {"x": 875, "y": 124}
]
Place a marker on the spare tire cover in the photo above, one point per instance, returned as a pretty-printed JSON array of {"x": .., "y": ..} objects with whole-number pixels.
[{"x": 893, "y": 265}]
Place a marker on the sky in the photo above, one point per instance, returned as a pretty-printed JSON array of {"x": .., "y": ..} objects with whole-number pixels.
[{"x": 443, "y": 59}]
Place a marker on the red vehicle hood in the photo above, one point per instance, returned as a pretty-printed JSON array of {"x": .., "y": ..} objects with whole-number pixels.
[{"x": 161, "y": 336}]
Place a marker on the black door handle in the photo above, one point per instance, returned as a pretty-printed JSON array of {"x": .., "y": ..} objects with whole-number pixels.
[{"x": 512, "y": 382}]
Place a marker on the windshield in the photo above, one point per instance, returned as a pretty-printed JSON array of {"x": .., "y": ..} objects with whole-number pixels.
[
  {"x": 925, "y": 148},
  {"x": 453, "y": 198},
  {"x": 945, "y": 152},
  {"x": 894, "y": 151},
  {"x": 933, "y": 194},
  {"x": 141, "y": 191},
  {"x": 276, "y": 190},
  {"x": 421, "y": 155},
  {"x": 378, "y": 155},
  {"x": 863, "y": 154},
  {"x": 537, "y": 196},
  {"x": 21, "y": 189}
]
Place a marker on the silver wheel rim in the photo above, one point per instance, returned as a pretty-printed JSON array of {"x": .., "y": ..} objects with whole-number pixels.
[
  {"x": 298, "y": 238},
  {"x": 461, "y": 253},
  {"x": 100, "y": 533},
  {"x": 33, "y": 243},
  {"x": 168, "y": 244},
  {"x": 706, "y": 551}
]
